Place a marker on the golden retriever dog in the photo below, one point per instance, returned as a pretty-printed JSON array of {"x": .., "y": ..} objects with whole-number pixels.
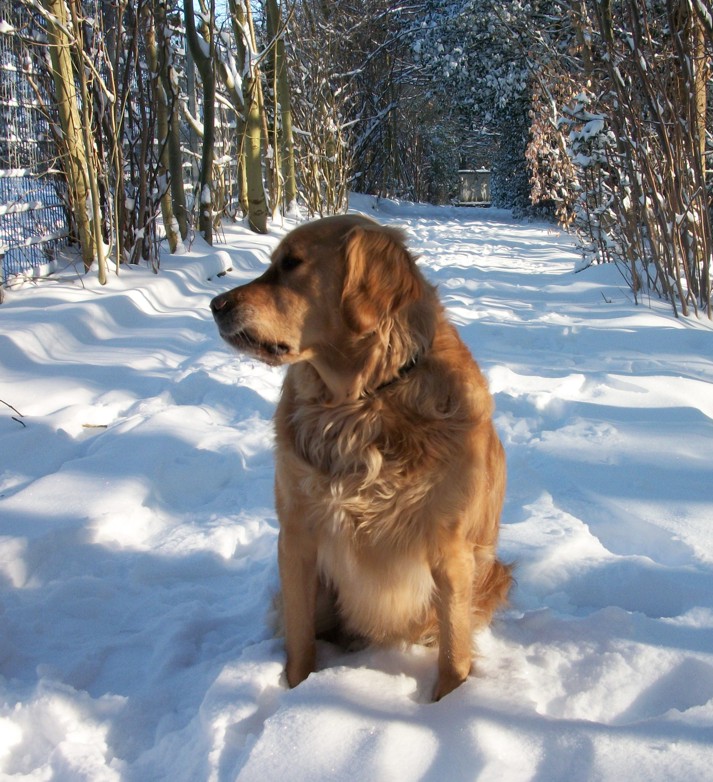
[{"x": 389, "y": 476}]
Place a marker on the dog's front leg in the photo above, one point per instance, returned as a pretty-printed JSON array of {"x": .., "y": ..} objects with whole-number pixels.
[
  {"x": 298, "y": 575},
  {"x": 453, "y": 575}
]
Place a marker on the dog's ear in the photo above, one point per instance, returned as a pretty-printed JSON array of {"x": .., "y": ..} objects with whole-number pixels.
[{"x": 380, "y": 279}]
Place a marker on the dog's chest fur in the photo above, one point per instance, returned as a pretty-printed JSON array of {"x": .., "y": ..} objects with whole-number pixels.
[
  {"x": 366, "y": 482},
  {"x": 368, "y": 469},
  {"x": 366, "y": 474}
]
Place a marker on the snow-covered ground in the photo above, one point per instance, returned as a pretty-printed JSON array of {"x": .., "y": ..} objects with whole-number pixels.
[{"x": 137, "y": 535}]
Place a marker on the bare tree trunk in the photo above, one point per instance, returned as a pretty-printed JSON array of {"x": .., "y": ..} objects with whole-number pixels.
[
  {"x": 112, "y": 121},
  {"x": 251, "y": 148},
  {"x": 174, "y": 161},
  {"x": 257, "y": 203},
  {"x": 205, "y": 64},
  {"x": 193, "y": 135},
  {"x": 90, "y": 170},
  {"x": 66, "y": 95},
  {"x": 169, "y": 222},
  {"x": 283, "y": 106},
  {"x": 690, "y": 47}
]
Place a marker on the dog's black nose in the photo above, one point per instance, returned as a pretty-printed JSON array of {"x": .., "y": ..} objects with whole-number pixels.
[{"x": 220, "y": 303}]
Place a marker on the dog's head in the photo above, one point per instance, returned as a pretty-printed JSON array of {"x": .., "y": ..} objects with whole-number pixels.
[{"x": 333, "y": 295}]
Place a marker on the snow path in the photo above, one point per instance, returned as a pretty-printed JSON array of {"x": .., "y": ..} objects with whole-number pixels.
[{"x": 137, "y": 535}]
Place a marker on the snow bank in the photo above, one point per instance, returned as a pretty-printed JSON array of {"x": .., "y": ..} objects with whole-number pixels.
[{"x": 137, "y": 535}]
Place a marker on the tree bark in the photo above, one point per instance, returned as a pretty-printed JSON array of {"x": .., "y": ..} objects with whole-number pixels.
[
  {"x": 251, "y": 147},
  {"x": 68, "y": 109},
  {"x": 283, "y": 106},
  {"x": 169, "y": 223},
  {"x": 91, "y": 170},
  {"x": 174, "y": 162},
  {"x": 205, "y": 63}
]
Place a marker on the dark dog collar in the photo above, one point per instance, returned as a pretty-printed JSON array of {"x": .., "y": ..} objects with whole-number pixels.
[{"x": 411, "y": 364}]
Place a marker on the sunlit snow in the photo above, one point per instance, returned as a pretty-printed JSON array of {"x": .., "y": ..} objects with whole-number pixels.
[{"x": 138, "y": 536}]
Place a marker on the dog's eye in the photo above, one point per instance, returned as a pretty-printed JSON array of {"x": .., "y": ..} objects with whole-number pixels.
[{"x": 290, "y": 262}]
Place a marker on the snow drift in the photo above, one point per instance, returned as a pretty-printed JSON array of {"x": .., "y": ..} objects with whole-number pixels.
[{"x": 137, "y": 534}]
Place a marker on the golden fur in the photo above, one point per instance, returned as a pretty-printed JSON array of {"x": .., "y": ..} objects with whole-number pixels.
[{"x": 389, "y": 474}]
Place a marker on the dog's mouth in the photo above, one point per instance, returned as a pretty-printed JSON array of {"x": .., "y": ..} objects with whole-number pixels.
[{"x": 247, "y": 342}]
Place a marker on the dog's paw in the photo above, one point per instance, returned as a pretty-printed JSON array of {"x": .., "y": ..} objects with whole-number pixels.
[
  {"x": 446, "y": 684},
  {"x": 297, "y": 671}
]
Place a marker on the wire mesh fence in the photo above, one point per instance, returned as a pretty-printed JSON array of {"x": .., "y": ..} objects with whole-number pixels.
[{"x": 33, "y": 218}]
